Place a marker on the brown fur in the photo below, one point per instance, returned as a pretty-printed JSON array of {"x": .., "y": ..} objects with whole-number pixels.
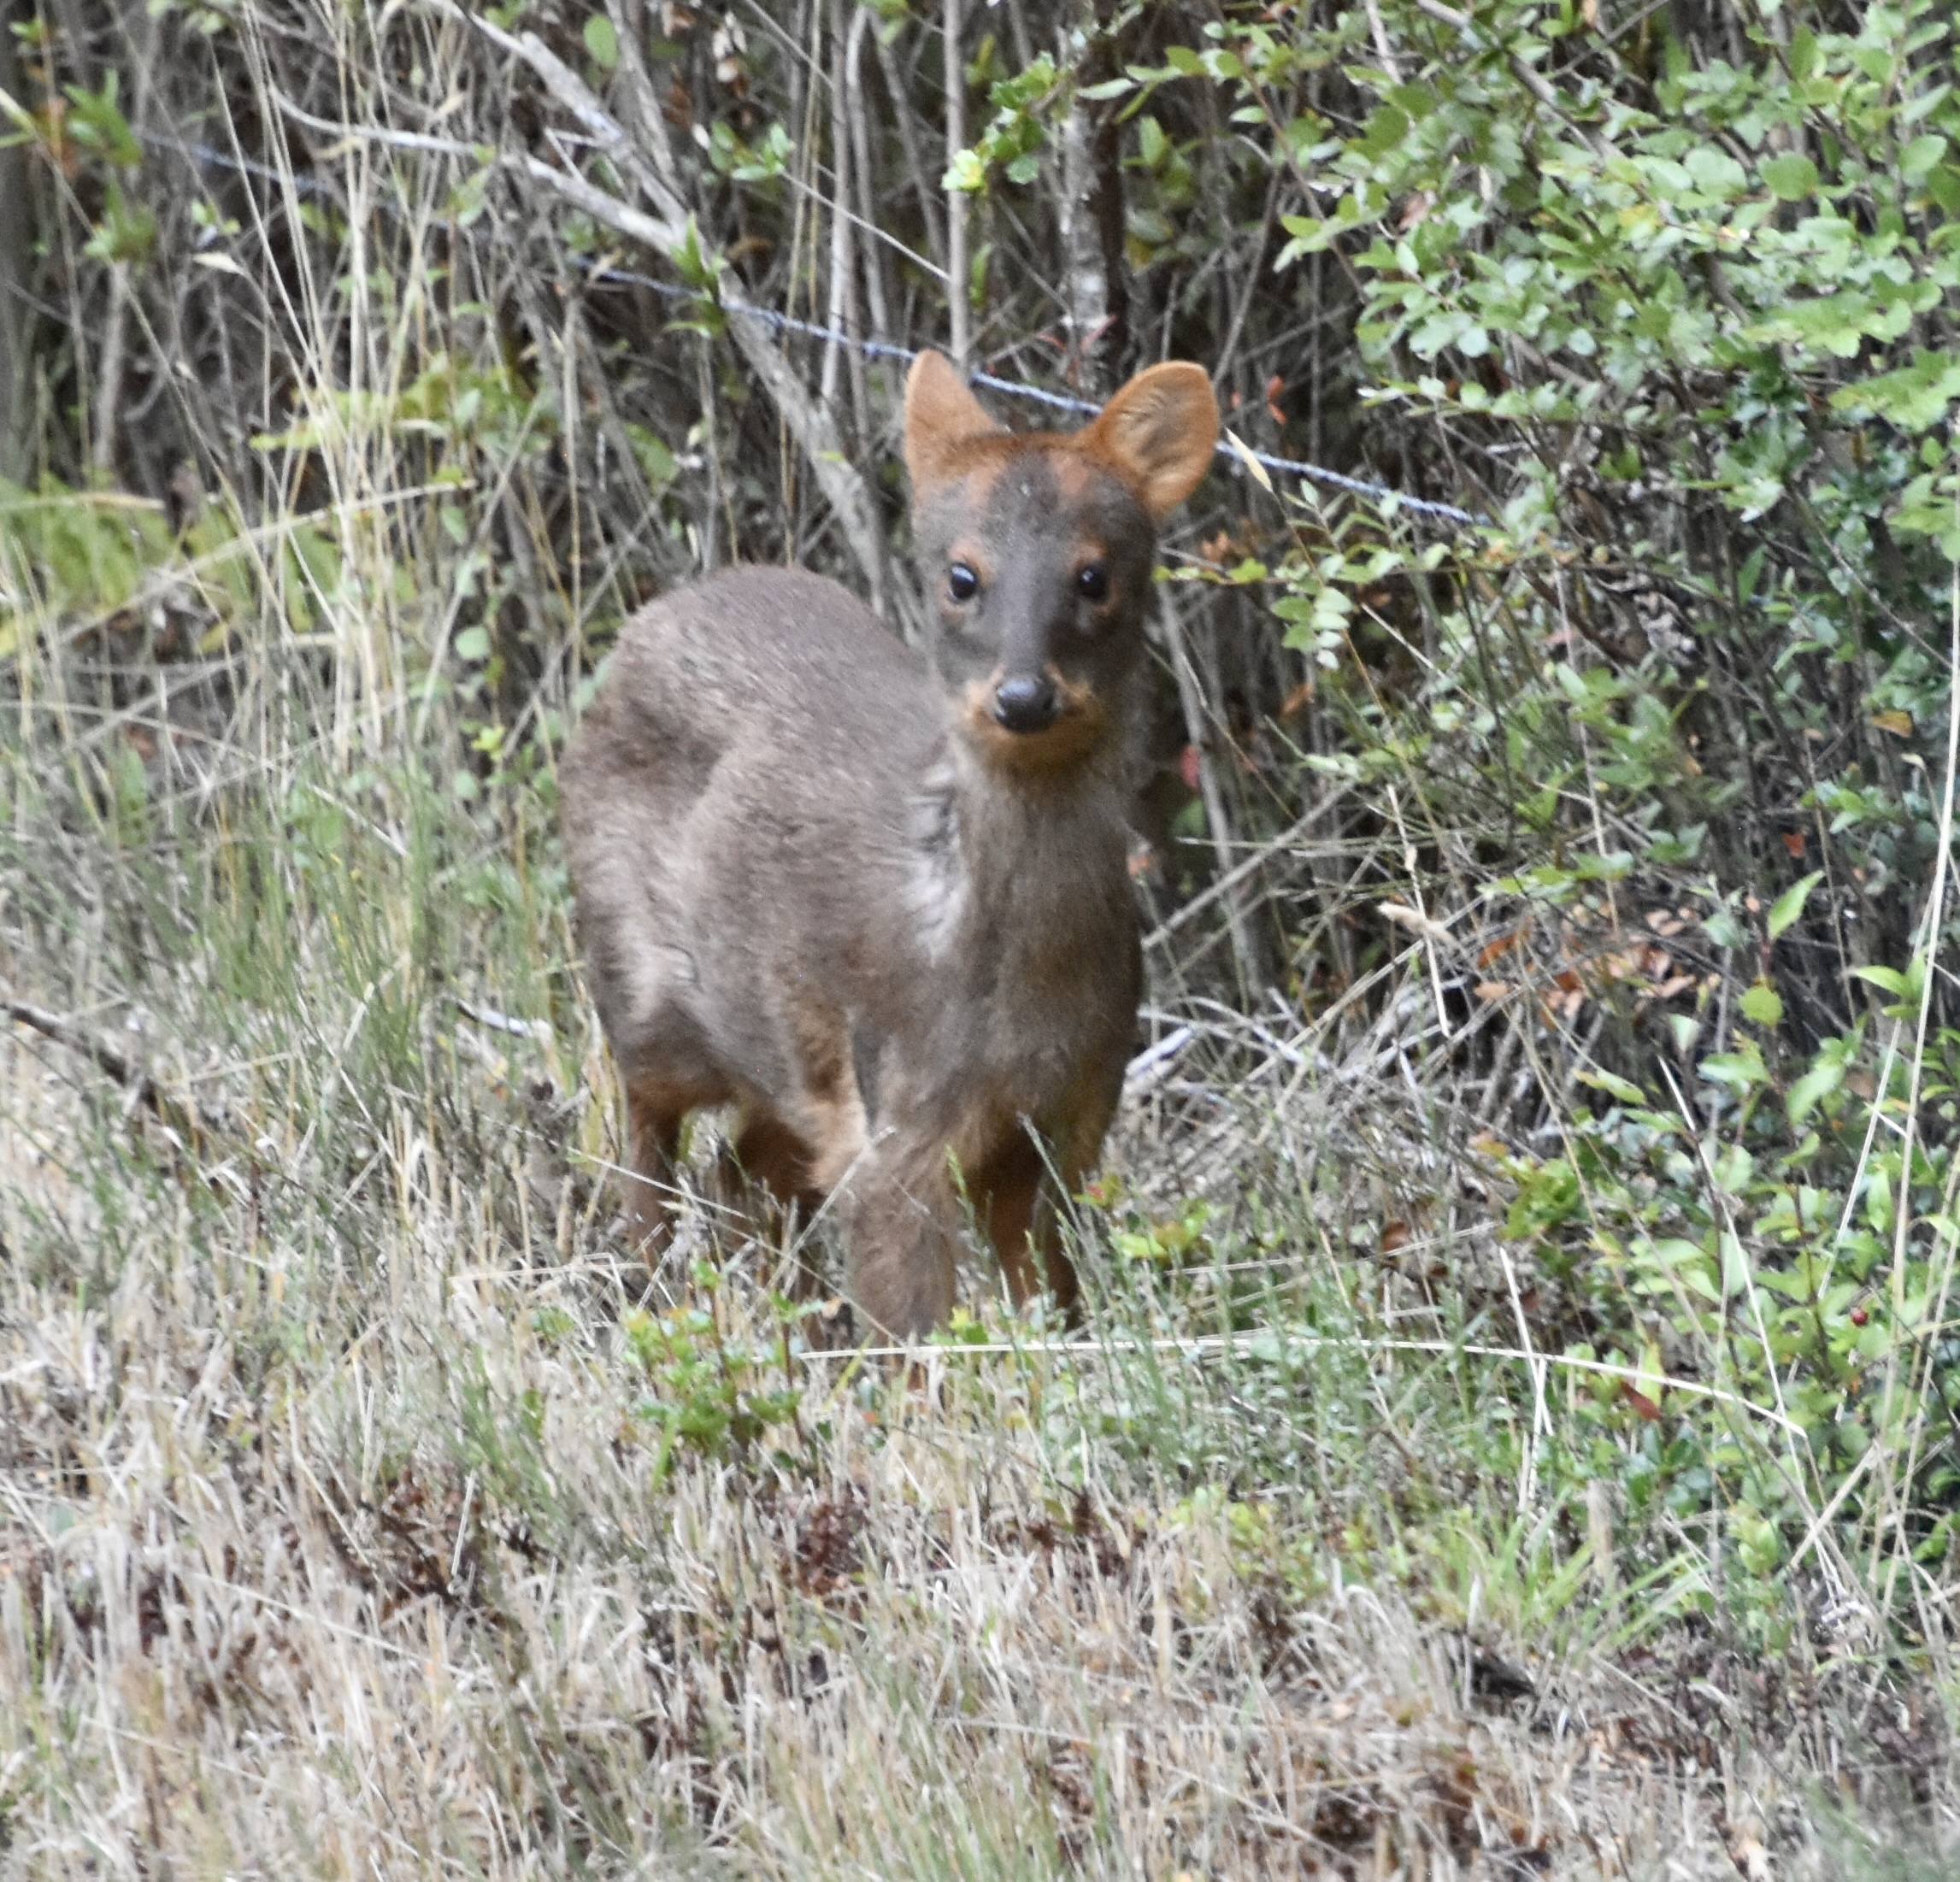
[
  {"x": 830, "y": 884},
  {"x": 1081, "y": 731}
]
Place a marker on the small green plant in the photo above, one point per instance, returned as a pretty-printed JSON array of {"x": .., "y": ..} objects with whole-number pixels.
[{"x": 710, "y": 1392}]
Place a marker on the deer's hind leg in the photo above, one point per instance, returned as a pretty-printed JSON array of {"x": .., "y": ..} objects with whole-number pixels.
[
  {"x": 660, "y": 1092},
  {"x": 768, "y": 1151}
]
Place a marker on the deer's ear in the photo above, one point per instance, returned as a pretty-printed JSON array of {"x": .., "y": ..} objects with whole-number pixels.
[
  {"x": 940, "y": 415},
  {"x": 1157, "y": 434}
]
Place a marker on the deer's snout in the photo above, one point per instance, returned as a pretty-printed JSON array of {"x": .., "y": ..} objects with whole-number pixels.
[{"x": 1026, "y": 703}]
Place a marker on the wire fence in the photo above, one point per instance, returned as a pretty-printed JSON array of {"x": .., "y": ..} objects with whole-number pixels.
[{"x": 1390, "y": 500}]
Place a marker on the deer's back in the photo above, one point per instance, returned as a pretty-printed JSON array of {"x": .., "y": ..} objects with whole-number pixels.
[
  {"x": 772, "y": 668},
  {"x": 735, "y": 803}
]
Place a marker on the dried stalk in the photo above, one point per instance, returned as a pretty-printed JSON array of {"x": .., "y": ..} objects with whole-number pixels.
[
  {"x": 16, "y": 282},
  {"x": 651, "y": 170},
  {"x": 957, "y": 269},
  {"x": 1190, "y": 702}
]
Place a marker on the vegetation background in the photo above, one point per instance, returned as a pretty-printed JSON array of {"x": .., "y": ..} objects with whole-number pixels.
[{"x": 1515, "y": 1433}]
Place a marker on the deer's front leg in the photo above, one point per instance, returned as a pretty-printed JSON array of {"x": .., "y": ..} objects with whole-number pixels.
[{"x": 901, "y": 1216}]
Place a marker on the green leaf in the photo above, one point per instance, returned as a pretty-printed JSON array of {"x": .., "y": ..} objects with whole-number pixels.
[
  {"x": 1789, "y": 905},
  {"x": 1750, "y": 573},
  {"x": 1614, "y": 1086},
  {"x": 1917, "y": 159},
  {"x": 472, "y": 645},
  {"x": 1812, "y": 1089},
  {"x": 656, "y": 462},
  {"x": 1792, "y": 177},
  {"x": 1914, "y": 397},
  {"x": 1886, "y": 979},
  {"x": 966, "y": 173},
  {"x": 1741, "y": 1071},
  {"x": 1715, "y": 173},
  {"x": 1762, "y": 1005},
  {"x": 602, "y": 41},
  {"x": 1384, "y": 133}
]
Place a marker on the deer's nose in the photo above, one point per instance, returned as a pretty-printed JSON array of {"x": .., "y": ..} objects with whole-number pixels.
[{"x": 1026, "y": 703}]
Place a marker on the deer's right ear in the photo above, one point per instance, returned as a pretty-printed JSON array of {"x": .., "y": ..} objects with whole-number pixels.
[{"x": 940, "y": 415}]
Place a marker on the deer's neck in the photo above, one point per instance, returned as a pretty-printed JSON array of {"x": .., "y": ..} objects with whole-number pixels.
[{"x": 1019, "y": 867}]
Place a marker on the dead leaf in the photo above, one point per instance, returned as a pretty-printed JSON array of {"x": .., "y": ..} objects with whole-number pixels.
[
  {"x": 1416, "y": 209},
  {"x": 1638, "y": 1400},
  {"x": 1415, "y": 921},
  {"x": 1492, "y": 950}
]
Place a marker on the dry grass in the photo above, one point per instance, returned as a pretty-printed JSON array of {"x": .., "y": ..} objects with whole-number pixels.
[
  {"x": 332, "y": 1542},
  {"x": 406, "y": 1600}
]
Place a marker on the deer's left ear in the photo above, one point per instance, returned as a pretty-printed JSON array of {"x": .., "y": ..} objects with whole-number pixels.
[
  {"x": 1157, "y": 434},
  {"x": 940, "y": 415}
]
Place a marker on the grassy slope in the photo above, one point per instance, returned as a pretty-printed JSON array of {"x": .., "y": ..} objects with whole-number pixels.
[{"x": 334, "y": 1537}]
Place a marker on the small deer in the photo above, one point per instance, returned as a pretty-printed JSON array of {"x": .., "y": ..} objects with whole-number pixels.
[{"x": 882, "y": 905}]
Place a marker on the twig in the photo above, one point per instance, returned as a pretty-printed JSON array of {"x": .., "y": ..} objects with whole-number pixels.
[
  {"x": 494, "y": 1021},
  {"x": 172, "y": 1112},
  {"x": 1190, "y": 700},
  {"x": 956, "y": 268},
  {"x": 1279, "y": 1346},
  {"x": 809, "y": 424},
  {"x": 1229, "y": 882}
]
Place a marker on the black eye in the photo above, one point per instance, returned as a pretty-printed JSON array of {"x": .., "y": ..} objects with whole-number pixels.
[
  {"x": 1093, "y": 583},
  {"x": 962, "y": 583}
]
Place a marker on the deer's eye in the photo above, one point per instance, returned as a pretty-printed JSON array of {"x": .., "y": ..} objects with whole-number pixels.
[
  {"x": 1093, "y": 583},
  {"x": 962, "y": 583}
]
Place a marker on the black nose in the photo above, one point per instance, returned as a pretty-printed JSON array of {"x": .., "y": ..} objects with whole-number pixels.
[{"x": 1026, "y": 703}]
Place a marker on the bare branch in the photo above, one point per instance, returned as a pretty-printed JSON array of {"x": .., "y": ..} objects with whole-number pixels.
[
  {"x": 169, "y": 1110},
  {"x": 956, "y": 268},
  {"x": 811, "y": 426}
]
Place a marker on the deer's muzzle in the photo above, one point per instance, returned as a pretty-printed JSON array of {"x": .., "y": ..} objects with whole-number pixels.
[{"x": 1026, "y": 703}]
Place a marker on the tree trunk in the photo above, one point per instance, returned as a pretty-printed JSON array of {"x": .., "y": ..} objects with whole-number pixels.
[
  {"x": 16, "y": 274},
  {"x": 1090, "y": 211}
]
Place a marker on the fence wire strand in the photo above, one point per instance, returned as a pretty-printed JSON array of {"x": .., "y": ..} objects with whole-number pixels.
[{"x": 1391, "y": 500}]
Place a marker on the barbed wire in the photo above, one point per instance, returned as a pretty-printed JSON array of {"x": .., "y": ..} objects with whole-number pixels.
[
  {"x": 1386, "y": 495},
  {"x": 1062, "y": 401}
]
